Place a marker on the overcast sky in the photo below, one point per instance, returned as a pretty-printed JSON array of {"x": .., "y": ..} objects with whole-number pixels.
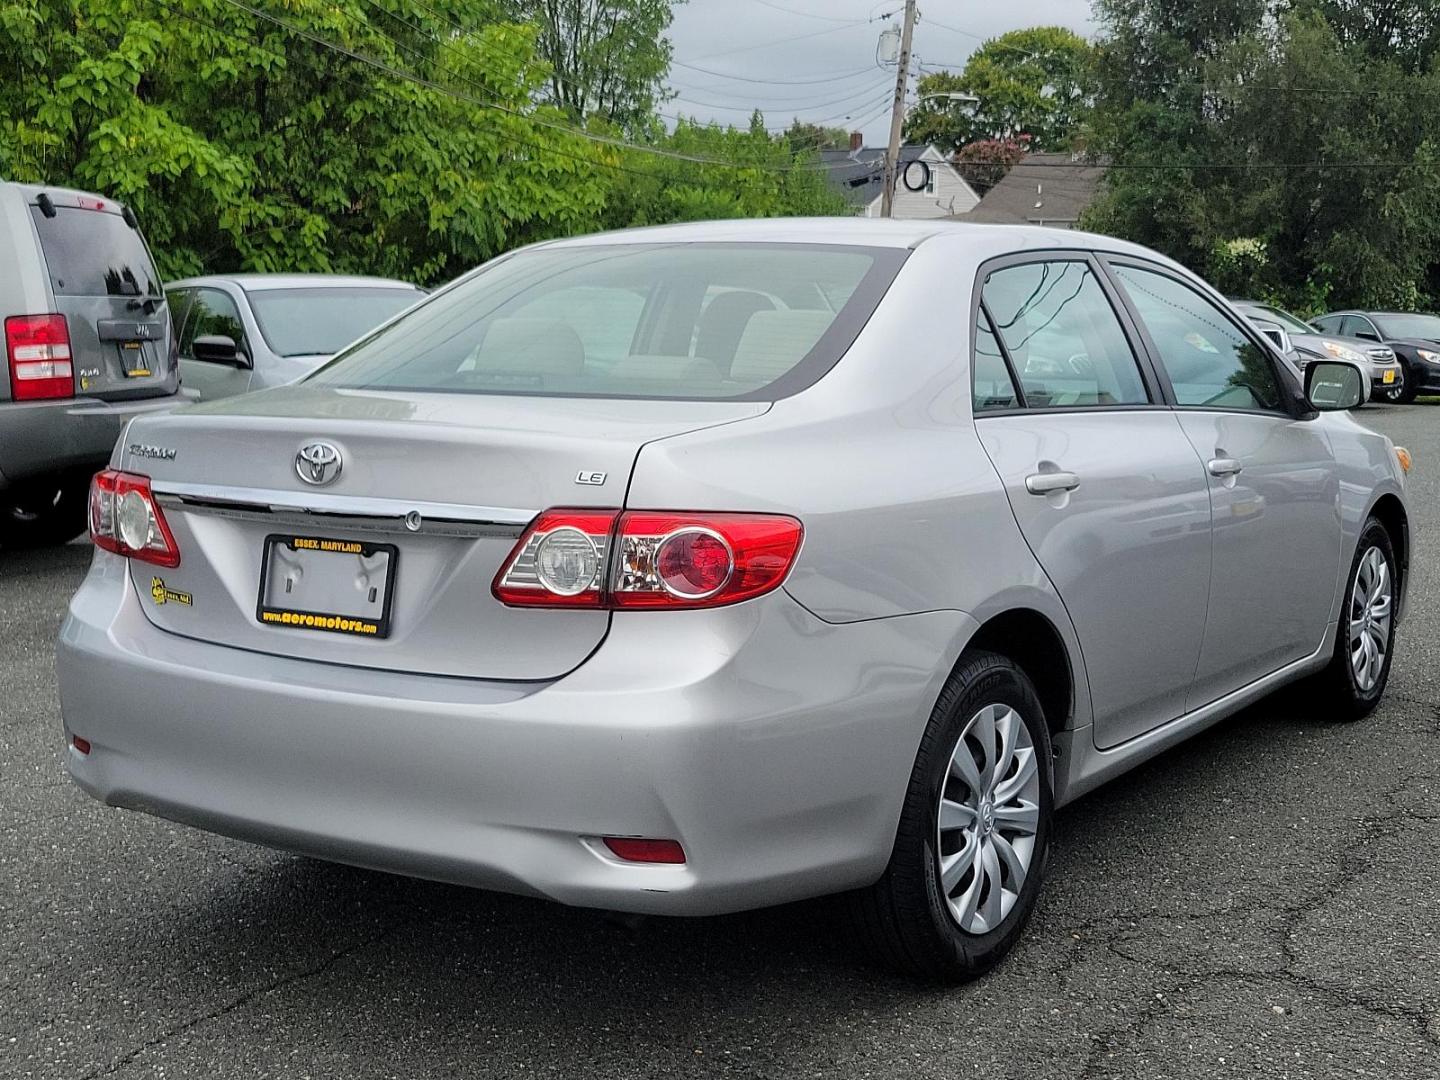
[{"x": 787, "y": 45}]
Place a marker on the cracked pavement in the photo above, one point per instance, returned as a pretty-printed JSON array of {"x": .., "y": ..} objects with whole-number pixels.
[{"x": 1261, "y": 901}]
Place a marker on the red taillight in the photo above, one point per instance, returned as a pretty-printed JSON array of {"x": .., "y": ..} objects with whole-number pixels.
[
  {"x": 38, "y": 347},
  {"x": 81, "y": 745},
  {"x": 125, "y": 519},
  {"x": 647, "y": 559},
  {"x": 637, "y": 849}
]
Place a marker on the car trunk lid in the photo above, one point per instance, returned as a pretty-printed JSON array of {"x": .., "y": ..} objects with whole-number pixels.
[{"x": 426, "y": 501}]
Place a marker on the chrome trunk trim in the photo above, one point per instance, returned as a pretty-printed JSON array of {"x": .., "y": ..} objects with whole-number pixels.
[{"x": 317, "y": 510}]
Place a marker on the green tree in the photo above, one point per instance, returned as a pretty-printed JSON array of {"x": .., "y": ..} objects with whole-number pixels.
[
  {"x": 1027, "y": 82},
  {"x": 773, "y": 179},
  {"x": 1266, "y": 132},
  {"x": 606, "y": 58},
  {"x": 803, "y": 136},
  {"x": 244, "y": 141}
]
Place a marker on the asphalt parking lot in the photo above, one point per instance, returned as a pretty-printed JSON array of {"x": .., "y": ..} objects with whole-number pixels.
[{"x": 1261, "y": 901}]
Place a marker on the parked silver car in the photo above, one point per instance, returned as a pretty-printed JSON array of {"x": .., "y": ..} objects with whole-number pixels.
[
  {"x": 243, "y": 332},
  {"x": 694, "y": 569},
  {"x": 1305, "y": 345}
]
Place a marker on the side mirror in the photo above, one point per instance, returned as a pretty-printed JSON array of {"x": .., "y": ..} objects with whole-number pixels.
[
  {"x": 1334, "y": 385},
  {"x": 218, "y": 349}
]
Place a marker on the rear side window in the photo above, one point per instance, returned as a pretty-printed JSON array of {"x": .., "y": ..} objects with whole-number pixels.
[
  {"x": 1063, "y": 338},
  {"x": 94, "y": 253},
  {"x": 1211, "y": 363},
  {"x": 696, "y": 321},
  {"x": 993, "y": 388}
]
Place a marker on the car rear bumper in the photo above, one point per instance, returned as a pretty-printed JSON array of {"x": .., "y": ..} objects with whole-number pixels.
[
  {"x": 42, "y": 438},
  {"x": 775, "y": 747}
]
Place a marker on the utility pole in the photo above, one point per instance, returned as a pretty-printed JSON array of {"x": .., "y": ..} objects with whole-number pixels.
[{"x": 897, "y": 112}]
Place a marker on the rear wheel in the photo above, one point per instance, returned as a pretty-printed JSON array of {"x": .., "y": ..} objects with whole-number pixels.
[
  {"x": 1359, "y": 668},
  {"x": 43, "y": 514},
  {"x": 974, "y": 833}
]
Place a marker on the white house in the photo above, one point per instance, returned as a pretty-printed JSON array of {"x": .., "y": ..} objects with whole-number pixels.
[{"x": 858, "y": 175}]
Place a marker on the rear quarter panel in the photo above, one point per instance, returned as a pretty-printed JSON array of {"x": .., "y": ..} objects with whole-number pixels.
[
  {"x": 23, "y": 288},
  {"x": 903, "y": 511}
]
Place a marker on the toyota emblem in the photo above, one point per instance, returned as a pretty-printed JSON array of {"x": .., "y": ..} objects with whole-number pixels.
[{"x": 318, "y": 463}]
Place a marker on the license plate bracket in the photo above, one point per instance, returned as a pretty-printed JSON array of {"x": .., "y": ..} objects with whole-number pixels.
[{"x": 327, "y": 583}]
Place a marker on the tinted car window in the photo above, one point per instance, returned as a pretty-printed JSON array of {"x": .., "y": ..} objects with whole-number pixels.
[
  {"x": 993, "y": 387},
  {"x": 505, "y": 330},
  {"x": 1413, "y": 326},
  {"x": 94, "y": 253},
  {"x": 178, "y": 301},
  {"x": 212, "y": 312},
  {"x": 1064, "y": 339},
  {"x": 322, "y": 321},
  {"x": 1209, "y": 360},
  {"x": 1328, "y": 323},
  {"x": 1356, "y": 326}
]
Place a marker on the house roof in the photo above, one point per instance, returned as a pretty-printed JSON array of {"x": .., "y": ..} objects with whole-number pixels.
[
  {"x": 1041, "y": 189},
  {"x": 859, "y": 175}
]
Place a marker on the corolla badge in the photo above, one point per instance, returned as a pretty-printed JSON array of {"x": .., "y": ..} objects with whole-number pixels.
[{"x": 318, "y": 463}]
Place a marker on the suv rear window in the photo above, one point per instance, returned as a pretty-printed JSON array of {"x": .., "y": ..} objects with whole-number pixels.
[
  {"x": 695, "y": 321},
  {"x": 94, "y": 253}
]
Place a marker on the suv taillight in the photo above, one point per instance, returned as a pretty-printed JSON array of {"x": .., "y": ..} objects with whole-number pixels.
[
  {"x": 125, "y": 519},
  {"x": 38, "y": 347},
  {"x": 647, "y": 559}
]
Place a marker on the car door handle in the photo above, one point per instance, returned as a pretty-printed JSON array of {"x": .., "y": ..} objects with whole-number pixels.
[
  {"x": 1224, "y": 466},
  {"x": 1043, "y": 483}
]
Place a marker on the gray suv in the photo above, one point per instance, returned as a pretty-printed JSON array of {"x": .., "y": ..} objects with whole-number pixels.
[{"x": 87, "y": 346}]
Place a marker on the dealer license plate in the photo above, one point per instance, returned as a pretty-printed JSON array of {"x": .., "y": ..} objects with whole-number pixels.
[{"x": 327, "y": 583}]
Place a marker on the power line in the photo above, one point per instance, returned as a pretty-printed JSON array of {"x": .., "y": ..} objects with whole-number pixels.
[
  {"x": 808, "y": 104},
  {"x": 808, "y": 14},
  {"x": 774, "y": 82},
  {"x": 421, "y": 80},
  {"x": 779, "y": 41}
]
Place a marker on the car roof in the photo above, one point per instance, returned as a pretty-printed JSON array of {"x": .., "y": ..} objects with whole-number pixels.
[
  {"x": 261, "y": 282},
  {"x": 857, "y": 231}
]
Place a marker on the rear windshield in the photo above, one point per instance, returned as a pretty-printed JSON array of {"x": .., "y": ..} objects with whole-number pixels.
[
  {"x": 694, "y": 321},
  {"x": 94, "y": 253},
  {"x": 322, "y": 321}
]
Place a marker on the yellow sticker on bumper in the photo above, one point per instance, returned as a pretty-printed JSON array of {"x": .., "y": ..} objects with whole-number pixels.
[{"x": 161, "y": 594}]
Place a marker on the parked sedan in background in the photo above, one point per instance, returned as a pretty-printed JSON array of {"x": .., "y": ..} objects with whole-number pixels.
[
  {"x": 1308, "y": 345},
  {"x": 669, "y": 571},
  {"x": 1414, "y": 337},
  {"x": 243, "y": 332}
]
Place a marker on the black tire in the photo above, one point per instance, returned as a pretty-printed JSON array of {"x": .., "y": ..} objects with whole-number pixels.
[
  {"x": 1405, "y": 389},
  {"x": 1337, "y": 689},
  {"x": 904, "y": 921},
  {"x": 44, "y": 514}
]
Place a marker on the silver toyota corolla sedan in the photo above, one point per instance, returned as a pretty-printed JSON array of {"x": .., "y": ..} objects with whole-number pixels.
[{"x": 701, "y": 568}]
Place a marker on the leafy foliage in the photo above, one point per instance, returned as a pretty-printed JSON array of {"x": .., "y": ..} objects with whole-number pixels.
[
  {"x": 1246, "y": 121},
  {"x": 985, "y": 162},
  {"x": 409, "y": 138},
  {"x": 606, "y": 58},
  {"x": 1027, "y": 82}
]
